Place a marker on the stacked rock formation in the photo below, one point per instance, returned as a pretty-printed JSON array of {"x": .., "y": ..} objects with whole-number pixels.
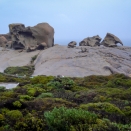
[
  {"x": 39, "y": 37},
  {"x": 110, "y": 40}
]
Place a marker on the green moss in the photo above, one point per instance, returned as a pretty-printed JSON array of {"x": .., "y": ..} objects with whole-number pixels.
[{"x": 14, "y": 115}]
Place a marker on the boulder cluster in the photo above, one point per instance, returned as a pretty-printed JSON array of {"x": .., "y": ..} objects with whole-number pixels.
[
  {"x": 38, "y": 37},
  {"x": 110, "y": 40},
  {"x": 41, "y": 37}
]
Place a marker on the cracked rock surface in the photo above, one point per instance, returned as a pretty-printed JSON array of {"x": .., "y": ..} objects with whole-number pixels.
[{"x": 73, "y": 62}]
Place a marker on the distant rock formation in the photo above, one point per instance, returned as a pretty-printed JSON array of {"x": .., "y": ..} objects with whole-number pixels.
[
  {"x": 111, "y": 40},
  {"x": 91, "y": 41},
  {"x": 39, "y": 37},
  {"x": 72, "y": 44},
  {"x": 3, "y": 41}
]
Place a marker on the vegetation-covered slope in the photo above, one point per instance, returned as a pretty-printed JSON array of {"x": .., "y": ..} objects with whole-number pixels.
[{"x": 93, "y": 103}]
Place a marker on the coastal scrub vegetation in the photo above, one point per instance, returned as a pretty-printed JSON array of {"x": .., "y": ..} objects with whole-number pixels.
[
  {"x": 20, "y": 71},
  {"x": 47, "y": 103}
]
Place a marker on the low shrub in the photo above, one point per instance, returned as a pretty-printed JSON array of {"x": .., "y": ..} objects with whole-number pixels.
[
  {"x": 65, "y": 83},
  {"x": 63, "y": 119},
  {"x": 41, "y": 79},
  {"x": 44, "y": 95},
  {"x": 25, "y": 97},
  {"x": 2, "y": 88},
  {"x": 105, "y": 110},
  {"x": 20, "y": 71},
  {"x": 17, "y": 104},
  {"x": 14, "y": 115}
]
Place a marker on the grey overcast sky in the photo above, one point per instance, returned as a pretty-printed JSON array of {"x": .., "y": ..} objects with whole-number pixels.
[{"x": 71, "y": 19}]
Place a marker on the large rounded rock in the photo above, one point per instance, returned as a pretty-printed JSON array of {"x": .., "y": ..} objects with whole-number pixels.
[
  {"x": 111, "y": 40},
  {"x": 31, "y": 37}
]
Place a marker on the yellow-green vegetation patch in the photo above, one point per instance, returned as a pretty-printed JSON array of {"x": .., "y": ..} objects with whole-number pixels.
[
  {"x": 20, "y": 71},
  {"x": 14, "y": 114},
  {"x": 47, "y": 103}
]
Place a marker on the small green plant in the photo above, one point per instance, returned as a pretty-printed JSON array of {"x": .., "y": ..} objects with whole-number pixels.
[
  {"x": 65, "y": 83},
  {"x": 41, "y": 79},
  {"x": 1, "y": 117},
  {"x": 33, "y": 58},
  {"x": 14, "y": 115},
  {"x": 2, "y": 88},
  {"x": 25, "y": 97},
  {"x": 44, "y": 95},
  {"x": 17, "y": 104}
]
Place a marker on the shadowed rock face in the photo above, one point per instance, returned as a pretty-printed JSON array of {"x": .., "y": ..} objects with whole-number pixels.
[
  {"x": 91, "y": 41},
  {"x": 111, "y": 40},
  {"x": 39, "y": 37}
]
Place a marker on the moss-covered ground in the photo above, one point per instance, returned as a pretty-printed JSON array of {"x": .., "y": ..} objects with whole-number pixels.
[{"x": 47, "y": 103}]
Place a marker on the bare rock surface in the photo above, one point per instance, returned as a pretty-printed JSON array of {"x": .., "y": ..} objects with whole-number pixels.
[{"x": 73, "y": 62}]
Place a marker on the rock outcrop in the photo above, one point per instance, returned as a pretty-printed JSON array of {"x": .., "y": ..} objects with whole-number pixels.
[
  {"x": 39, "y": 37},
  {"x": 72, "y": 44},
  {"x": 111, "y": 40},
  {"x": 91, "y": 41},
  {"x": 3, "y": 41},
  {"x": 79, "y": 61}
]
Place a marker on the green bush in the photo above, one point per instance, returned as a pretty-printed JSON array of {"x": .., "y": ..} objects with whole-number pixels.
[
  {"x": 17, "y": 104},
  {"x": 25, "y": 97},
  {"x": 2, "y": 78},
  {"x": 105, "y": 109},
  {"x": 2, "y": 88},
  {"x": 4, "y": 110},
  {"x": 20, "y": 71},
  {"x": 65, "y": 83},
  {"x": 41, "y": 79},
  {"x": 1, "y": 117},
  {"x": 63, "y": 119},
  {"x": 44, "y": 95},
  {"x": 30, "y": 123},
  {"x": 14, "y": 115}
]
